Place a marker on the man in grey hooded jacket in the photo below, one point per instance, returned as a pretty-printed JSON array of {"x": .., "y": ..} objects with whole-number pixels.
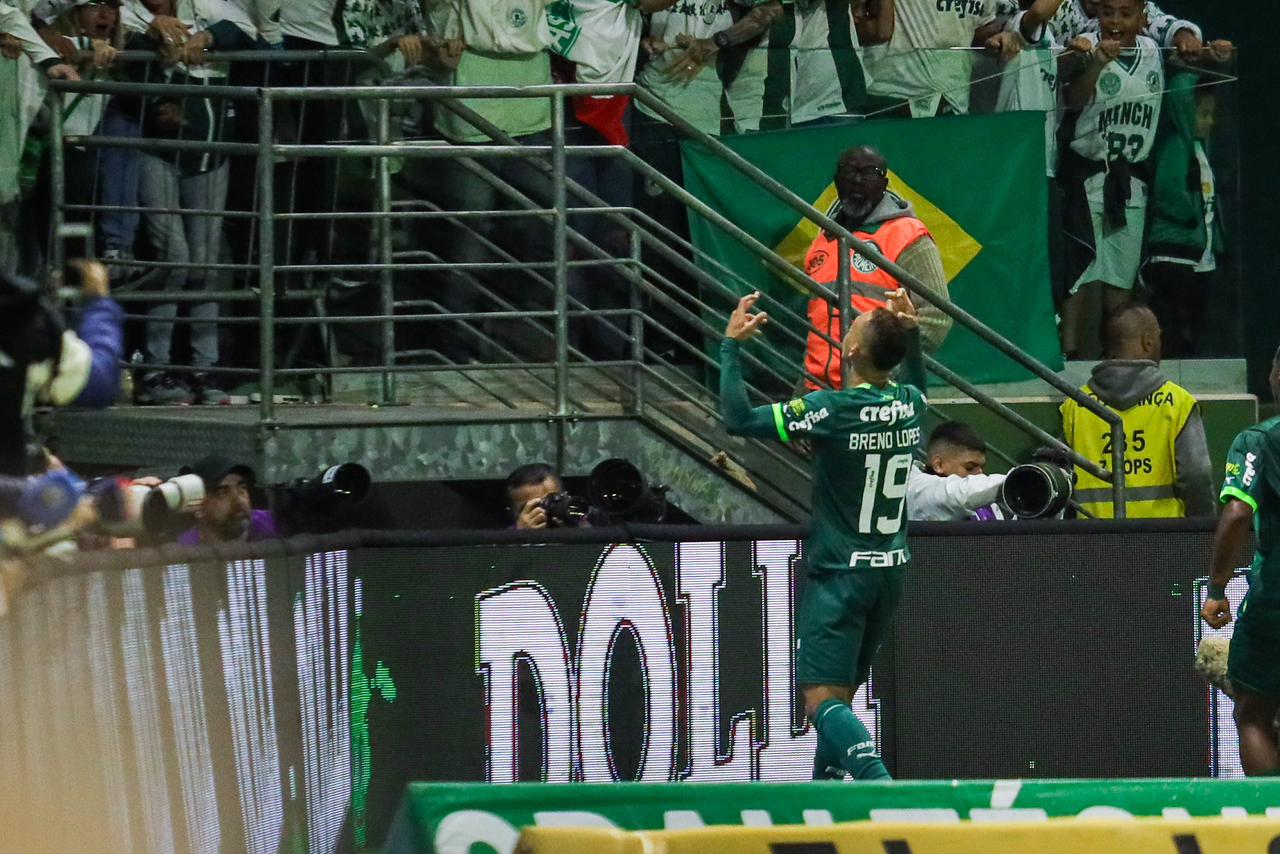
[{"x": 1167, "y": 469}]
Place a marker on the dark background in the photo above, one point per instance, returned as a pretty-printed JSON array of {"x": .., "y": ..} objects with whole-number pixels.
[{"x": 1252, "y": 26}]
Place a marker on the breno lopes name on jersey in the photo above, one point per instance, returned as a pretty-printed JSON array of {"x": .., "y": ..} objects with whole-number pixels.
[
  {"x": 885, "y": 441},
  {"x": 888, "y": 414}
]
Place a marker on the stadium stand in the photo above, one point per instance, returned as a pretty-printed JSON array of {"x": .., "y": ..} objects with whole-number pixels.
[{"x": 365, "y": 258}]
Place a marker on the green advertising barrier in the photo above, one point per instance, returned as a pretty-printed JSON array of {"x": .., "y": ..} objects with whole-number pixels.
[{"x": 477, "y": 818}]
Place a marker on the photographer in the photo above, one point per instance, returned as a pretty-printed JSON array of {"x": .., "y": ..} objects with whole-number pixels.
[
  {"x": 951, "y": 486},
  {"x": 42, "y": 363},
  {"x": 532, "y": 491},
  {"x": 226, "y": 514}
]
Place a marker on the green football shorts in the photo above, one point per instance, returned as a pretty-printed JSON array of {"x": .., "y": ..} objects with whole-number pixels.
[
  {"x": 1254, "y": 660},
  {"x": 844, "y": 617}
]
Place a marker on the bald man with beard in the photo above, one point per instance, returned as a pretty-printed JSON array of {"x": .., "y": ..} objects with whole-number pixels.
[{"x": 878, "y": 216}]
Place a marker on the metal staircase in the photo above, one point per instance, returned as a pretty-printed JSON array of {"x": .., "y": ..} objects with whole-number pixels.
[{"x": 415, "y": 413}]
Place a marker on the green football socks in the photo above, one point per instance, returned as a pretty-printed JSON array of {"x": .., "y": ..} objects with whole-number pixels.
[
  {"x": 825, "y": 763},
  {"x": 845, "y": 743}
]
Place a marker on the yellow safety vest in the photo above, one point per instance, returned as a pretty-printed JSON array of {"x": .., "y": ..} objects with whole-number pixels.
[{"x": 1151, "y": 429}]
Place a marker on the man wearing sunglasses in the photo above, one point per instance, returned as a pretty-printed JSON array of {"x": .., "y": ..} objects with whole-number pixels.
[{"x": 868, "y": 208}]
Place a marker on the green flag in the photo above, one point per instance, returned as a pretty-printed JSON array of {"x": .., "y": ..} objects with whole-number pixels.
[{"x": 977, "y": 182}]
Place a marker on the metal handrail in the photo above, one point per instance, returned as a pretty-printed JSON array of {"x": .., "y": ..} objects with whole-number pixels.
[
  {"x": 958, "y": 314},
  {"x": 266, "y": 150},
  {"x": 981, "y": 397},
  {"x": 912, "y": 284},
  {"x": 273, "y": 56}
]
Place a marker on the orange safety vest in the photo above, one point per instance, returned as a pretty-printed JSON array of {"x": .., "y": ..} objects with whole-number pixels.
[{"x": 869, "y": 286}]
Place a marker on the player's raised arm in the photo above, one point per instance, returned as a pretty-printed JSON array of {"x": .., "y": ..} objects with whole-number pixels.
[
  {"x": 1033, "y": 21},
  {"x": 740, "y": 418}
]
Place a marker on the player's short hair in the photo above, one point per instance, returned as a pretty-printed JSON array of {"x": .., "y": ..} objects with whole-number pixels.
[
  {"x": 886, "y": 340},
  {"x": 529, "y": 474},
  {"x": 958, "y": 434}
]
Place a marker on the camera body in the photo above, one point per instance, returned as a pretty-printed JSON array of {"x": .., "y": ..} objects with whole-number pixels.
[{"x": 565, "y": 510}]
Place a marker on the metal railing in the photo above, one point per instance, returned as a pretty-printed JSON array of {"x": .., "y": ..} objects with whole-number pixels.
[{"x": 651, "y": 347}]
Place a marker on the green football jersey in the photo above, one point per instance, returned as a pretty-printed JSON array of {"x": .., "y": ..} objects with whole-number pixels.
[
  {"x": 1253, "y": 476},
  {"x": 864, "y": 441}
]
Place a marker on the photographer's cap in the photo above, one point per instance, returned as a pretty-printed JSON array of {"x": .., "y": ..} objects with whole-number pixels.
[{"x": 214, "y": 468}]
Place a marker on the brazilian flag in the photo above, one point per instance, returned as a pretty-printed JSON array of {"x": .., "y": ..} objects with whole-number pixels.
[{"x": 977, "y": 182}]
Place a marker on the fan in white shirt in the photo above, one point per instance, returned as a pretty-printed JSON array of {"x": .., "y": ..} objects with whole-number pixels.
[
  {"x": 926, "y": 63},
  {"x": 1078, "y": 17}
]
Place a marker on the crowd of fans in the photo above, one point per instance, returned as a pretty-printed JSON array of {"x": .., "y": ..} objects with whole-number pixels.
[{"x": 1137, "y": 192}]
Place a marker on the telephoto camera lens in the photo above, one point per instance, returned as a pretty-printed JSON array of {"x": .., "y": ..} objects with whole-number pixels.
[
  {"x": 176, "y": 496},
  {"x": 1037, "y": 490},
  {"x": 620, "y": 490}
]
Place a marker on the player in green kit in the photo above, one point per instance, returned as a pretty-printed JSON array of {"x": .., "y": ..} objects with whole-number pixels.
[
  {"x": 864, "y": 438},
  {"x": 1251, "y": 493}
]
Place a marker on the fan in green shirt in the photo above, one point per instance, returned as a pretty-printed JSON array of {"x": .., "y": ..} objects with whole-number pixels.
[
  {"x": 1251, "y": 495},
  {"x": 864, "y": 438}
]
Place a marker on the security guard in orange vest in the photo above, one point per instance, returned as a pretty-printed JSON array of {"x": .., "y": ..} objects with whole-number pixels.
[
  {"x": 877, "y": 216},
  {"x": 1166, "y": 456}
]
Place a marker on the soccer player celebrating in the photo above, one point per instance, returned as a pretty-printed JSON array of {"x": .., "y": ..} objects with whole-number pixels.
[
  {"x": 1251, "y": 493},
  {"x": 863, "y": 438}
]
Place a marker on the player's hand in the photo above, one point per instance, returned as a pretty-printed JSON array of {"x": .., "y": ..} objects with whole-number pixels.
[
  {"x": 1079, "y": 44},
  {"x": 743, "y": 324},
  {"x": 532, "y": 516},
  {"x": 192, "y": 52},
  {"x": 411, "y": 47},
  {"x": 84, "y": 517},
  {"x": 1187, "y": 45},
  {"x": 1216, "y": 612},
  {"x": 62, "y": 71},
  {"x": 95, "y": 277},
  {"x": 10, "y": 47},
  {"x": 899, "y": 302},
  {"x": 103, "y": 54},
  {"x": 653, "y": 46},
  {"x": 697, "y": 53},
  {"x": 1107, "y": 50},
  {"x": 168, "y": 30},
  {"x": 443, "y": 54},
  {"x": 1219, "y": 50},
  {"x": 1005, "y": 45}
]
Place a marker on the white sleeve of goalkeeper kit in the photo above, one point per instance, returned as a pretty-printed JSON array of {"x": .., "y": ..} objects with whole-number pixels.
[{"x": 949, "y": 499}]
